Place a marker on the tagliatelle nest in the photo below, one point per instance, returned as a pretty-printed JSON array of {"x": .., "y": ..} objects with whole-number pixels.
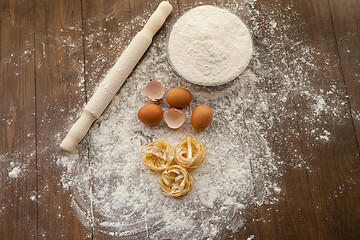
[
  {"x": 190, "y": 152},
  {"x": 158, "y": 155},
  {"x": 175, "y": 181}
]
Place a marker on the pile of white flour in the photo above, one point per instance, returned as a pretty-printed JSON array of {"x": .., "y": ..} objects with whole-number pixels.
[{"x": 209, "y": 46}]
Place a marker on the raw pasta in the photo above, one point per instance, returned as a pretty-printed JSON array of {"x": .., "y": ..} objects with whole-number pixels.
[
  {"x": 176, "y": 181},
  {"x": 190, "y": 152},
  {"x": 158, "y": 155}
]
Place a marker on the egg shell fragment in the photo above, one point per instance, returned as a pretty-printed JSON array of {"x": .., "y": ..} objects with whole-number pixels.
[
  {"x": 154, "y": 91},
  {"x": 178, "y": 97},
  {"x": 201, "y": 117},
  {"x": 150, "y": 114},
  {"x": 174, "y": 118}
]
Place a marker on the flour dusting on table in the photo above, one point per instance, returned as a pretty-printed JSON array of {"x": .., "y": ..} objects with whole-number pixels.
[
  {"x": 118, "y": 195},
  {"x": 122, "y": 196}
]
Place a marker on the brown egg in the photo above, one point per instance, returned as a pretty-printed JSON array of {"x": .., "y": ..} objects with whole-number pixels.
[
  {"x": 178, "y": 97},
  {"x": 201, "y": 117},
  {"x": 150, "y": 114}
]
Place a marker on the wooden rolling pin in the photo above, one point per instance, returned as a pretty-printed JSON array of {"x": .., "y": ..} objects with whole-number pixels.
[{"x": 116, "y": 77}]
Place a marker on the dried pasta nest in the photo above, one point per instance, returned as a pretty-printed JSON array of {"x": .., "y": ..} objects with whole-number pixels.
[
  {"x": 158, "y": 155},
  {"x": 190, "y": 152},
  {"x": 175, "y": 181}
]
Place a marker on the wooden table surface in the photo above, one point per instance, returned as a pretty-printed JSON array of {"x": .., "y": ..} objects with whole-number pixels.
[{"x": 38, "y": 97}]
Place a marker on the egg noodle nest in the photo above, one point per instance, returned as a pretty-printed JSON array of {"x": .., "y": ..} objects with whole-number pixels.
[
  {"x": 159, "y": 156},
  {"x": 190, "y": 152},
  {"x": 176, "y": 181}
]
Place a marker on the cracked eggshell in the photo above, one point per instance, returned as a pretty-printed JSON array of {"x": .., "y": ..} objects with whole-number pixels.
[
  {"x": 154, "y": 91},
  {"x": 174, "y": 118}
]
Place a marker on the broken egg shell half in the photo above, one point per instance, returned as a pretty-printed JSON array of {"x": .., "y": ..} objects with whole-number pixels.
[
  {"x": 154, "y": 91},
  {"x": 174, "y": 118}
]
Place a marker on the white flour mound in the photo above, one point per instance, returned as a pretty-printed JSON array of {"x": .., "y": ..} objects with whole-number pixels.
[{"x": 209, "y": 46}]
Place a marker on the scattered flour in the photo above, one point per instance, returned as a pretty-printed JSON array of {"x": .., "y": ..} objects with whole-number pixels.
[
  {"x": 14, "y": 173},
  {"x": 277, "y": 189},
  {"x": 356, "y": 115},
  {"x": 251, "y": 237},
  {"x": 119, "y": 196}
]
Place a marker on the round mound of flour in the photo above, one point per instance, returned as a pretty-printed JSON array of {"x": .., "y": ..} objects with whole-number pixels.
[{"x": 209, "y": 46}]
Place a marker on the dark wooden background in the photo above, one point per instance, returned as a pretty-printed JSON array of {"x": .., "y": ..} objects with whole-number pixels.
[{"x": 34, "y": 106}]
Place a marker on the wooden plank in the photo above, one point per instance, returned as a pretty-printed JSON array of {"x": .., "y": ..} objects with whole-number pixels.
[
  {"x": 59, "y": 95},
  {"x": 18, "y": 208},
  {"x": 108, "y": 29},
  {"x": 250, "y": 226},
  {"x": 333, "y": 165},
  {"x": 107, "y": 32},
  {"x": 292, "y": 217},
  {"x": 345, "y": 18}
]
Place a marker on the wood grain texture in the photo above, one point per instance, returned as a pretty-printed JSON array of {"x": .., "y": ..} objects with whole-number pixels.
[
  {"x": 292, "y": 217},
  {"x": 345, "y": 19},
  {"x": 59, "y": 59},
  {"x": 327, "y": 174},
  {"x": 18, "y": 213},
  {"x": 106, "y": 34}
]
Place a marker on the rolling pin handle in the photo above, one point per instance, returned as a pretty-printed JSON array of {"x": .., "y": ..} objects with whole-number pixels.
[
  {"x": 157, "y": 19},
  {"x": 77, "y": 132}
]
